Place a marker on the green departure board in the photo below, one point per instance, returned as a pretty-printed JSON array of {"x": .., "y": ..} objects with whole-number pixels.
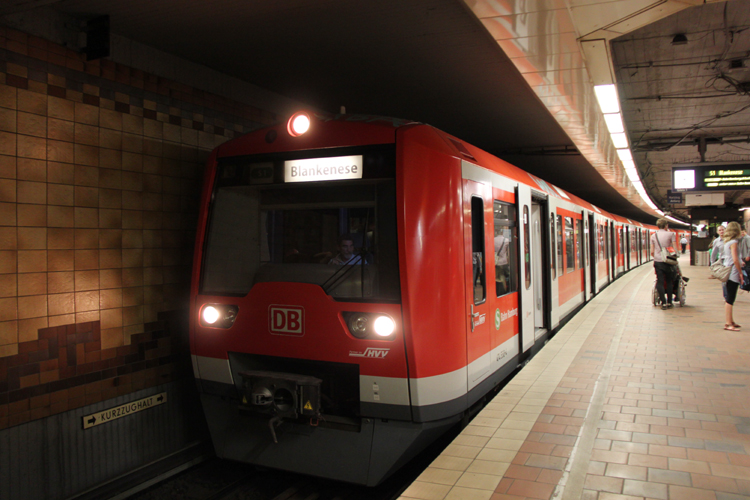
[{"x": 711, "y": 177}]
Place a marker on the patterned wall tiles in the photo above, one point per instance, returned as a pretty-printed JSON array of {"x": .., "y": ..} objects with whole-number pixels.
[
  {"x": 100, "y": 172},
  {"x": 68, "y": 367}
]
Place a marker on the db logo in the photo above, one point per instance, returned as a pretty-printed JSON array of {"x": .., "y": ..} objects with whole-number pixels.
[{"x": 286, "y": 320}]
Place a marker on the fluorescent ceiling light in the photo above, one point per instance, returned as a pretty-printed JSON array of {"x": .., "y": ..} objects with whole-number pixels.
[
  {"x": 620, "y": 140},
  {"x": 632, "y": 175},
  {"x": 607, "y": 97},
  {"x": 614, "y": 123},
  {"x": 625, "y": 154},
  {"x": 676, "y": 220}
]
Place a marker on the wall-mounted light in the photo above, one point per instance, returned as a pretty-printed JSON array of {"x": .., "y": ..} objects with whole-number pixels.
[
  {"x": 625, "y": 154},
  {"x": 679, "y": 39},
  {"x": 676, "y": 220},
  {"x": 620, "y": 140},
  {"x": 609, "y": 103},
  {"x": 614, "y": 123},
  {"x": 607, "y": 97}
]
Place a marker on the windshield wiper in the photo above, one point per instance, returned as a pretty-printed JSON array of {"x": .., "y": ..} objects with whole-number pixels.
[{"x": 342, "y": 272}]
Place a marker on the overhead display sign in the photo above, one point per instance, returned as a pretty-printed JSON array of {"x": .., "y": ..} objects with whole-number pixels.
[
  {"x": 711, "y": 177},
  {"x": 105, "y": 416},
  {"x": 323, "y": 169}
]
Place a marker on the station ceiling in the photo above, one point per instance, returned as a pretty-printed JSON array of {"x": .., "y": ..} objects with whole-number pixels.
[{"x": 510, "y": 76}]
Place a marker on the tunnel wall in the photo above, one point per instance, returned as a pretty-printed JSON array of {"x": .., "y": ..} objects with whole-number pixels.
[{"x": 100, "y": 171}]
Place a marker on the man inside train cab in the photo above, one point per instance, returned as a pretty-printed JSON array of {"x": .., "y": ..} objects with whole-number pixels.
[{"x": 346, "y": 252}]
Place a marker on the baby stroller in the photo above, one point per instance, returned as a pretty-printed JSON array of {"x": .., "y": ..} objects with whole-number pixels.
[{"x": 680, "y": 285}]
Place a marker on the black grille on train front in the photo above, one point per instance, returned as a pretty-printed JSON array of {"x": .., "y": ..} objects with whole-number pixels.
[{"x": 339, "y": 389}]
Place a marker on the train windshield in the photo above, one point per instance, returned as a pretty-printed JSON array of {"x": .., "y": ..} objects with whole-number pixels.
[{"x": 340, "y": 235}]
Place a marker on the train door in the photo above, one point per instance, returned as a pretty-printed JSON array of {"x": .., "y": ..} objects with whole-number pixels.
[
  {"x": 593, "y": 236},
  {"x": 555, "y": 244},
  {"x": 639, "y": 253},
  {"x": 477, "y": 204},
  {"x": 626, "y": 235},
  {"x": 613, "y": 251},
  {"x": 526, "y": 291},
  {"x": 539, "y": 275}
]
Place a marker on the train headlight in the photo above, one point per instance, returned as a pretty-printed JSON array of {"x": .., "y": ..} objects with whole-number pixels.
[
  {"x": 210, "y": 315},
  {"x": 218, "y": 315},
  {"x": 358, "y": 325},
  {"x": 298, "y": 124},
  {"x": 364, "y": 325},
  {"x": 384, "y": 326}
]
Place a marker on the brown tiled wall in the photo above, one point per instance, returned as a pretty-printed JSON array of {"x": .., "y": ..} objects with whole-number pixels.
[
  {"x": 99, "y": 180},
  {"x": 66, "y": 368}
]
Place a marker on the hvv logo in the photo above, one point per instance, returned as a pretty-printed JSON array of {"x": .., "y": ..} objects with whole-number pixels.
[
  {"x": 286, "y": 320},
  {"x": 370, "y": 352}
]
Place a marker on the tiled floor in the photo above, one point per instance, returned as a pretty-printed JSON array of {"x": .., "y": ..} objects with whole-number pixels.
[{"x": 626, "y": 402}]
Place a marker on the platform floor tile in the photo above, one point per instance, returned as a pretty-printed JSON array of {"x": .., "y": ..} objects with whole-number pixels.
[{"x": 627, "y": 401}]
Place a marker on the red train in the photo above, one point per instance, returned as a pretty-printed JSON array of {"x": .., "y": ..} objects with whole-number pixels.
[{"x": 360, "y": 284}]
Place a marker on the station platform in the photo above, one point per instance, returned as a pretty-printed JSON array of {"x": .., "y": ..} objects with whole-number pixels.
[{"x": 626, "y": 402}]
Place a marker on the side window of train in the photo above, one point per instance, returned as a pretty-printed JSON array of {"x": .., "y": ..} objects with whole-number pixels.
[
  {"x": 560, "y": 243},
  {"x": 585, "y": 242},
  {"x": 552, "y": 261},
  {"x": 477, "y": 249},
  {"x": 506, "y": 258},
  {"x": 526, "y": 246},
  {"x": 579, "y": 246},
  {"x": 575, "y": 244},
  {"x": 569, "y": 250}
]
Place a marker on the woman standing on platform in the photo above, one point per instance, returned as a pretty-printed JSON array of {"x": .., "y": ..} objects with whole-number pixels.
[
  {"x": 731, "y": 258},
  {"x": 665, "y": 273}
]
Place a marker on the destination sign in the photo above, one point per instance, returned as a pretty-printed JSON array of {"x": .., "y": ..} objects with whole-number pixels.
[
  {"x": 711, "y": 177},
  {"x": 105, "y": 416},
  {"x": 727, "y": 178},
  {"x": 323, "y": 169}
]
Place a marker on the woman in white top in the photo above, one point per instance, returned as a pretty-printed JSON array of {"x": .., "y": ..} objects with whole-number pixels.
[
  {"x": 665, "y": 273},
  {"x": 731, "y": 258}
]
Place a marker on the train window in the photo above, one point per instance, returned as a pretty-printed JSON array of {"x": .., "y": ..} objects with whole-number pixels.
[
  {"x": 569, "y": 248},
  {"x": 600, "y": 242},
  {"x": 576, "y": 240},
  {"x": 506, "y": 259},
  {"x": 293, "y": 233},
  {"x": 560, "y": 243},
  {"x": 580, "y": 262},
  {"x": 526, "y": 247},
  {"x": 553, "y": 268},
  {"x": 477, "y": 249}
]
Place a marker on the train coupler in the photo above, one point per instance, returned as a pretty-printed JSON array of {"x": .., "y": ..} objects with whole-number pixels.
[
  {"x": 283, "y": 395},
  {"x": 272, "y": 424}
]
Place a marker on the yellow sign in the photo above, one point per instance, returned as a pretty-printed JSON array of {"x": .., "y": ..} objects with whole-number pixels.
[
  {"x": 105, "y": 416},
  {"x": 308, "y": 406}
]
